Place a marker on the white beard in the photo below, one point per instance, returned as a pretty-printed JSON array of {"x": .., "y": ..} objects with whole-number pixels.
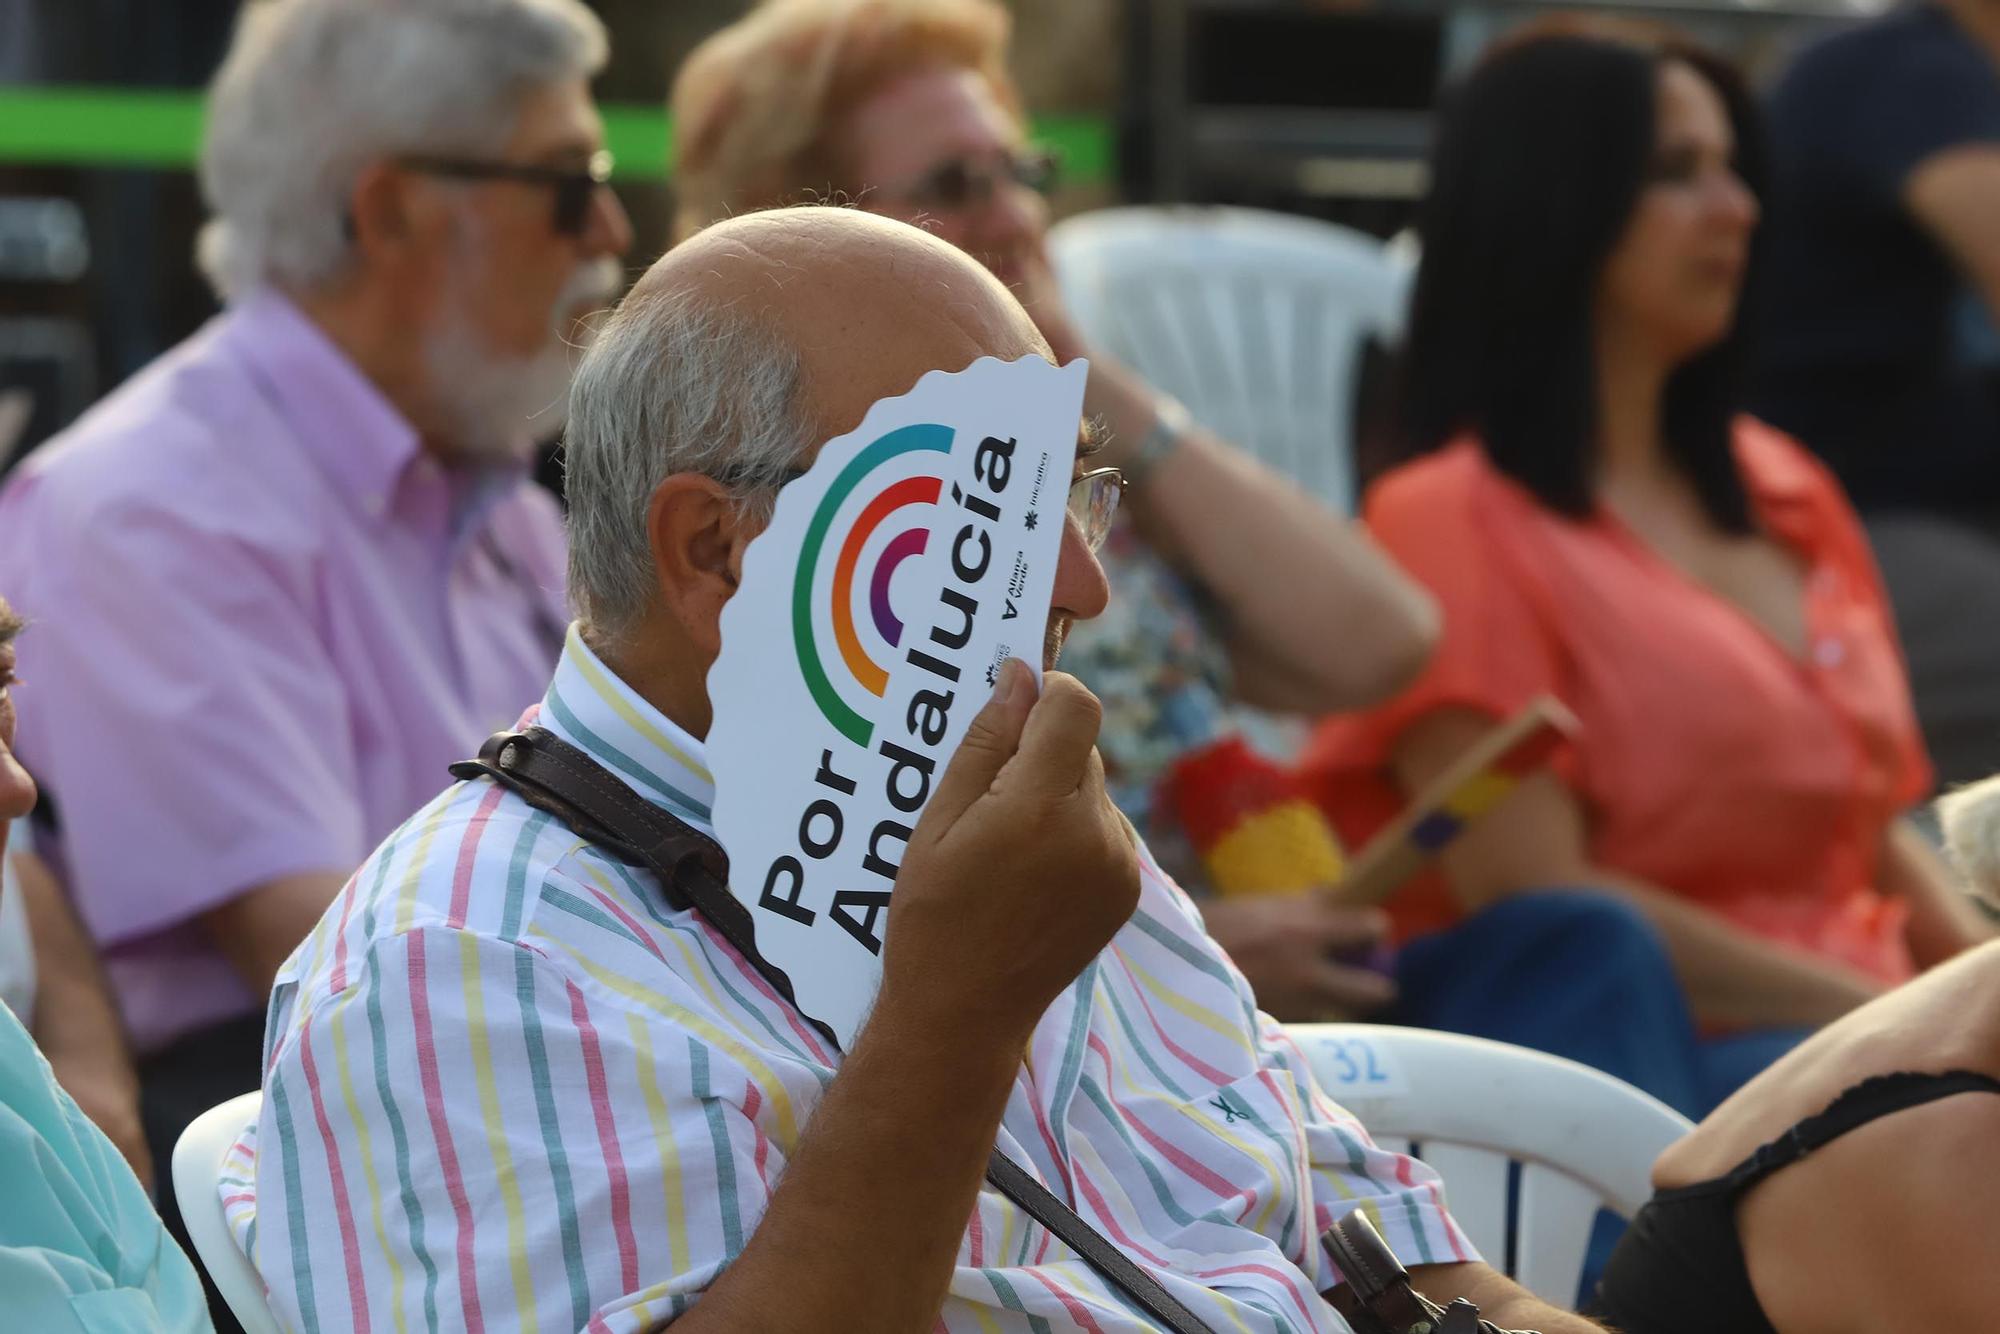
[{"x": 497, "y": 407}]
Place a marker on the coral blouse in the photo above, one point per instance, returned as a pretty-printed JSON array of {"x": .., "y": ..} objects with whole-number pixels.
[{"x": 1711, "y": 762}]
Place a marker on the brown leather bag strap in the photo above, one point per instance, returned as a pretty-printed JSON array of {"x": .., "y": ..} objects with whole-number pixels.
[
  {"x": 553, "y": 776},
  {"x": 1098, "y": 1251},
  {"x": 1377, "y": 1298}
]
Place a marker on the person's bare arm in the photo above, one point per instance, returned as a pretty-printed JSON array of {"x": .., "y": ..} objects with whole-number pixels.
[
  {"x": 1943, "y": 918},
  {"x": 257, "y": 930},
  {"x": 76, "y": 1022},
  {"x": 1955, "y": 196},
  {"x": 1537, "y": 839},
  {"x": 985, "y": 929},
  {"x": 1499, "y": 1298},
  {"x": 1317, "y": 617}
]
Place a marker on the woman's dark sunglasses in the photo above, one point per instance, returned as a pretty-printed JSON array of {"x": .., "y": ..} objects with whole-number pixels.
[{"x": 574, "y": 187}]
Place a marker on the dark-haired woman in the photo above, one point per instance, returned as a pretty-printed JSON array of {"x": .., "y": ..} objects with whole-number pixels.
[{"x": 1600, "y": 524}]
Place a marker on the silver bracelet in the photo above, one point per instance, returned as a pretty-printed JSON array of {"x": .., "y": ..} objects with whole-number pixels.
[{"x": 1171, "y": 424}]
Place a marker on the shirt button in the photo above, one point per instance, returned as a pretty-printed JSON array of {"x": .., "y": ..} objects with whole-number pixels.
[{"x": 1829, "y": 652}]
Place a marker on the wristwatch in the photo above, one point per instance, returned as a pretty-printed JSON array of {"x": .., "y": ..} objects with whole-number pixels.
[{"x": 1171, "y": 424}]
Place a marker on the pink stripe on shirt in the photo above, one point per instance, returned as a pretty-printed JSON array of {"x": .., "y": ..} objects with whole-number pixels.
[
  {"x": 454, "y": 1182},
  {"x": 468, "y": 853},
  {"x": 607, "y": 1138},
  {"x": 343, "y": 1209}
]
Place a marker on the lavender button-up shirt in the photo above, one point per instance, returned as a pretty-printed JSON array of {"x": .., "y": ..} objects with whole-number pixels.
[{"x": 264, "y": 621}]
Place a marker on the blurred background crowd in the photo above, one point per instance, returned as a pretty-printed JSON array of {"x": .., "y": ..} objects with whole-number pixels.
[{"x": 1563, "y": 455}]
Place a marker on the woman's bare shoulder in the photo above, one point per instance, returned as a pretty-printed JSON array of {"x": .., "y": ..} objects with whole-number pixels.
[
  {"x": 1947, "y": 1019},
  {"x": 1888, "y": 1227}
]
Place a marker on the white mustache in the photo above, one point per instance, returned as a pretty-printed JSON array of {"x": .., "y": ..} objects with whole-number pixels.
[{"x": 595, "y": 284}]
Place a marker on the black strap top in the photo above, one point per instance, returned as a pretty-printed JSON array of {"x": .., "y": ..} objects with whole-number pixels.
[{"x": 1680, "y": 1265}]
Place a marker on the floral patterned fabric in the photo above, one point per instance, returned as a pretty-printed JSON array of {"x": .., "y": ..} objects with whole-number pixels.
[{"x": 1157, "y": 660}]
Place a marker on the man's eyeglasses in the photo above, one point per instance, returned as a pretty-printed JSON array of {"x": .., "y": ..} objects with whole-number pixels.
[
  {"x": 575, "y": 187},
  {"x": 970, "y": 182},
  {"x": 1093, "y": 502},
  {"x": 1093, "y": 497}
]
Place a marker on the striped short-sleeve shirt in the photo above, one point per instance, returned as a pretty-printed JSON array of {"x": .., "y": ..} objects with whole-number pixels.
[{"x": 508, "y": 1087}]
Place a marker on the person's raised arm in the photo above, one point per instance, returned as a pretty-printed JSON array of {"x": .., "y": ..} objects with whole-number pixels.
[
  {"x": 1318, "y": 619},
  {"x": 1017, "y": 875},
  {"x": 1535, "y": 839},
  {"x": 1955, "y": 196}
]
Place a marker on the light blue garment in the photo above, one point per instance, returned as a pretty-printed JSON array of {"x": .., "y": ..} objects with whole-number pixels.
[
  {"x": 17, "y": 952},
  {"x": 81, "y": 1250}
]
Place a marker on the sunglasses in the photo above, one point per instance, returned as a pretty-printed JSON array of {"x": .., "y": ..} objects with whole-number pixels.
[
  {"x": 575, "y": 188},
  {"x": 971, "y": 182}
]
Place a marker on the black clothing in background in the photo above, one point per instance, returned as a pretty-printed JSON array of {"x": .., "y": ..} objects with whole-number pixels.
[{"x": 1871, "y": 349}]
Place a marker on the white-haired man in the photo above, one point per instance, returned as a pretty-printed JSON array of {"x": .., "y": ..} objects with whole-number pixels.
[
  {"x": 295, "y": 567},
  {"x": 511, "y": 1086}
]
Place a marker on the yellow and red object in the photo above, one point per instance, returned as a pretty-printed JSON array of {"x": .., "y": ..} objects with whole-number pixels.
[
  {"x": 1254, "y": 825},
  {"x": 1251, "y": 822}
]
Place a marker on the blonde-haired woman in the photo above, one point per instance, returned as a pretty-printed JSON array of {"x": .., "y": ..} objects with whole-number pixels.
[{"x": 1235, "y": 586}]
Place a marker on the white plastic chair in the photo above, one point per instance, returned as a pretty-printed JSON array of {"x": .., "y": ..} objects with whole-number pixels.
[
  {"x": 198, "y": 1156},
  {"x": 1470, "y": 1108},
  {"x": 1475, "y": 1110},
  {"x": 1255, "y": 320}
]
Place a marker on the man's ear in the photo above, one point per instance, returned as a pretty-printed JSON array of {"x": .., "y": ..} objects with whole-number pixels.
[
  {"x": 378, "y": 210},
  {"x": 393, "y": 221},
  {"x": 697, "y": 534}
]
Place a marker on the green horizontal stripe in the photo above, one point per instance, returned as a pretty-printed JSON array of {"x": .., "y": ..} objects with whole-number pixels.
[
  {"x": 1086, "y": 144},
  {"x": 93, "y": 127},
  {"x": 149, "y": 127},
  {"x": 641, "y": 144}
]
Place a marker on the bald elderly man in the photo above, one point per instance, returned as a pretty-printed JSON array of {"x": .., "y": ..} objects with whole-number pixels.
[{"x": 511, "y": 1087}]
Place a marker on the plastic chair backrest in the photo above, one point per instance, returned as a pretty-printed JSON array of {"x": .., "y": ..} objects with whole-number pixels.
[
  {"x": 1257, "y": 321},
  {"x": 198, "y": 1157},
  {"x": 1530, "y": 1146}
]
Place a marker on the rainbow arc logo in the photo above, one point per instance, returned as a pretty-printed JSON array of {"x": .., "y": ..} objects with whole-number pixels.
[{"x": 852, "y": 658}]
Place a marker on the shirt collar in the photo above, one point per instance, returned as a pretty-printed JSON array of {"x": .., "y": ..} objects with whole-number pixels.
[
  {"x": 589, "y": 707},
  {"x": 353, "y": 433},
  {"x": 1786, "y": 486},
  {"x": 1773, "y": 473}
]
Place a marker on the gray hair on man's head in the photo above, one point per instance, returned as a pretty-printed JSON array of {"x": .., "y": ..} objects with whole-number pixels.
[
  {"x": 672, "y": 383},
  {"x": 312, "y": 91}
]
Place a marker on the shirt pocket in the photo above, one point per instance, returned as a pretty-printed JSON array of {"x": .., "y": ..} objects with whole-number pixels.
[{"x": 1249, "y": 1164}]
